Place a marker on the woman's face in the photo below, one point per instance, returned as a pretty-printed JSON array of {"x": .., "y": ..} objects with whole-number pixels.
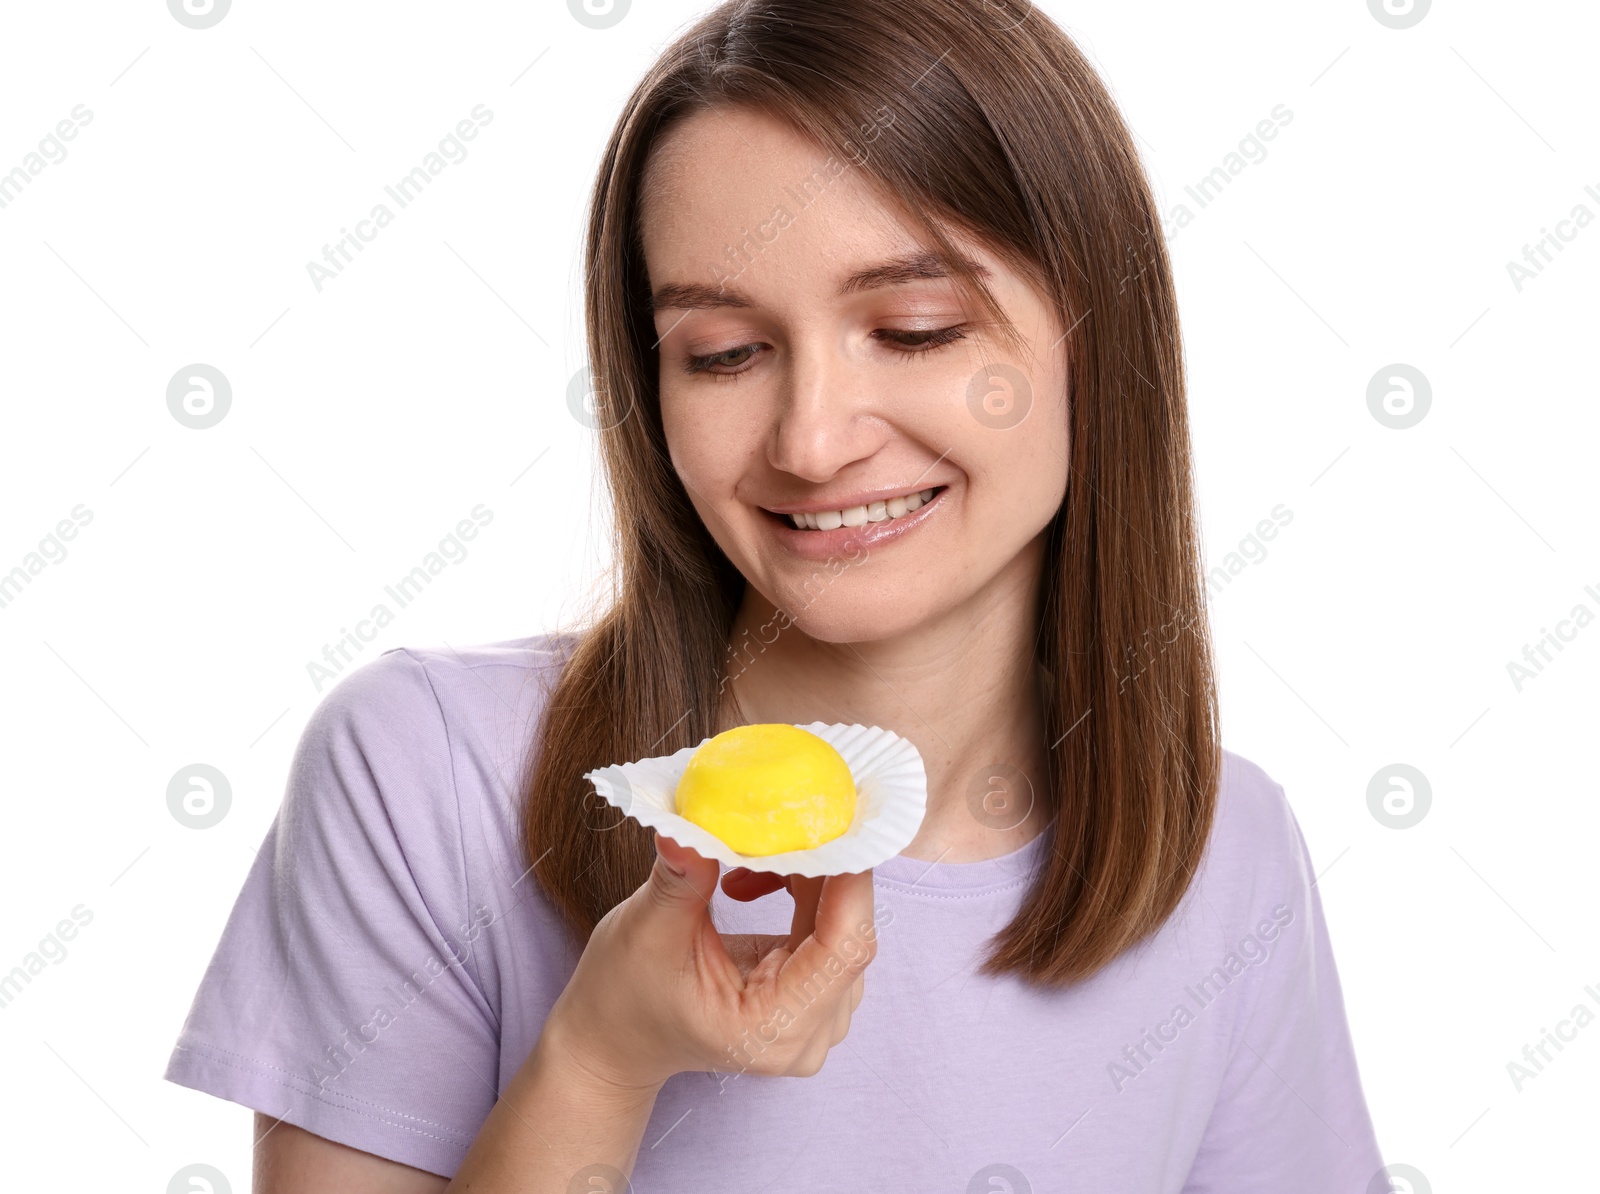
[{"x": 811, "y": 366}]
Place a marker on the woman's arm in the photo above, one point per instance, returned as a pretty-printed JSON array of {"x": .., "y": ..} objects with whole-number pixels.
[
  {"x": 291, "y": 1160},
  {"x": 555, "y": 1119},
  {"x": 585, "y": 1122},
  {"x": 654, "y": 992}
]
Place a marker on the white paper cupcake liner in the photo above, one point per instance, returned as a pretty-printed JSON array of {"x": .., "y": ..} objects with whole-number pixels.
[{"x": 891, "y": 797}]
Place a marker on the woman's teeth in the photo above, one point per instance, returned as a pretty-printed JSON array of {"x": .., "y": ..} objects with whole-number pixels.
[{"x": 855, "y": 516}]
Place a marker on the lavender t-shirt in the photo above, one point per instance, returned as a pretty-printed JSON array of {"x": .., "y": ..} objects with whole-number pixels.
[{"x": 388, "y": 965}]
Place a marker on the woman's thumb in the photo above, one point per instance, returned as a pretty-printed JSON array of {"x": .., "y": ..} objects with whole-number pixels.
[{"x": 682, "y": 879}]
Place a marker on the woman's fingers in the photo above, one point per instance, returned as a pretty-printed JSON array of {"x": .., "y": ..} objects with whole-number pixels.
[
  {"x": 743, "y": 884},
  {"x": 844, "y": 912},
  {"x": 820, "y": 998},
  {"x": 682, "y": 860},
  {"x": 681, "y": 880},
  {"x": 816, "y": 972},
  {"x": 805, "y": 892},
  {"x": 841, "y": 1022},
  {"x": 748, "y": 949},
  {"x": 676, "y": 906},
  {"x": 842, "y": 941}
]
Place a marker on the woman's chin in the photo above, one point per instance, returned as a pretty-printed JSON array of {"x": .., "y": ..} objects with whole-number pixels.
[{"x": 841, "y": 618}]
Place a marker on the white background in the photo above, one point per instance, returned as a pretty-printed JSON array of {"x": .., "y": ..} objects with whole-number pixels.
[{"x": 369, "y": 418}]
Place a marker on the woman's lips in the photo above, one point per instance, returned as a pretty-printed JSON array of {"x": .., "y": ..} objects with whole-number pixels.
[{"x": 822, "y": 545}]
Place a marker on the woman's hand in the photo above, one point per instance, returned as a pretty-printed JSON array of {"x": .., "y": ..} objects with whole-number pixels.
[{"x": 658, "y": 990}]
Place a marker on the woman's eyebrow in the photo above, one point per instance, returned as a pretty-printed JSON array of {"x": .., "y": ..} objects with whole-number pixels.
[{"x": 910, "y": 267}]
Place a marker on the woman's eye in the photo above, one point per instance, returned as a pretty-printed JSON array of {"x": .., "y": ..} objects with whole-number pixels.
[
  {"x": 704, "y": 364},
  {"x": 908, "y": 342},
  {"x": 921, "y": 340}
]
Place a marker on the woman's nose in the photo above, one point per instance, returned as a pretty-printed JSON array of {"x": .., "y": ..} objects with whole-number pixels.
[{"x": 823, "y": 419}]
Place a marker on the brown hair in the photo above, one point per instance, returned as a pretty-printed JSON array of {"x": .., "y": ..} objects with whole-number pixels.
[{"x": 989, "y": 120}]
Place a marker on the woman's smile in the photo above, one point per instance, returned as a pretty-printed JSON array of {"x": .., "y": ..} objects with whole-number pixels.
[{"x": 817, "y": 530}]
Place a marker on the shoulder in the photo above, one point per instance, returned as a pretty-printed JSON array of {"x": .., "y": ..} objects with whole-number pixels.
[
  {"x": 1256, "y": 851},
  {"x": 1253, "y": 895},
  {"x": 410, "y": 691},
  {"x": 413, "y": 726}
]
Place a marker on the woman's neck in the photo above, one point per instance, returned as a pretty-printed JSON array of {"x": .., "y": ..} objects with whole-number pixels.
[{"x": 964, "y": 690}]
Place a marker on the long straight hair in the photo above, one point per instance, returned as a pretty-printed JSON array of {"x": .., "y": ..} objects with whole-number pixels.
[{"x": 988, "y": 119}]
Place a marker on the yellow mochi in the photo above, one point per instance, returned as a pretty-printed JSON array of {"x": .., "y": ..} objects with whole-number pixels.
[{"x": 768, "y": 789}]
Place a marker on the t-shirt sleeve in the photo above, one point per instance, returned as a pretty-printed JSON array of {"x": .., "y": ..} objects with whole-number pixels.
[
  {"x": 345, "y": 995},
  {"x": 1290, "y": 1113}
]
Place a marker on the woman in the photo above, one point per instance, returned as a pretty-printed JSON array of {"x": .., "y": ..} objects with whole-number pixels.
[{"x": 889, "y": 388}]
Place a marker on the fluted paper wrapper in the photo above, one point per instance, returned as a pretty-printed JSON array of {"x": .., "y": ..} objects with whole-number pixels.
[{"x": 891, "y": 797}]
